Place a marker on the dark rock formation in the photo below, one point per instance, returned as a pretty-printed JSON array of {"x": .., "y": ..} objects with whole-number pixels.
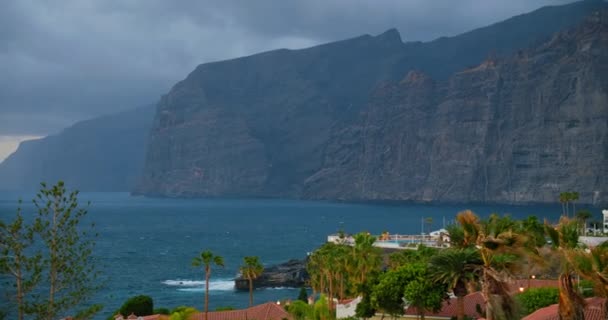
[
  {"x": 511, "y": 130},
  {"x": 300, "y": 123},
  {"x": 101, "y": 154},
  {"x": 289, "y": 274}
]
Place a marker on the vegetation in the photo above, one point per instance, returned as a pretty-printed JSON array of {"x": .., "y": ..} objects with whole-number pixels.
[
  {"x": 16, "y": 240},
  {"x": 182, "y": 313},
  {"x": 51, "y": 260},
  {"x": 533, "y": 299},
  {"x": 251, "y": 270},
  {"x": 206, "y": 259},
  {"x": 456, "y": 269},
  {"x": 300, "y": 310},
  {"x": 141, "y": 305},
  {"x": 303, "y": 295},
  {"x": 339, "y": 271},
  {"x": 564, "y": 239}
]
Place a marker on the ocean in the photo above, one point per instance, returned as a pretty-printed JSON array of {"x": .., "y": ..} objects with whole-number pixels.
[{"x": 146, "y": 246}]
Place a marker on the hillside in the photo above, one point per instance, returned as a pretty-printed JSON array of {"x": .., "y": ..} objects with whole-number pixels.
[{"x": 101, "y": 154}]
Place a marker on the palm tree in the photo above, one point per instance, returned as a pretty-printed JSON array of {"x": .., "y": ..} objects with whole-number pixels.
[
  {"x": 583, "y": 216},
  {"x": 594, "y": 267},
  {"x": 251, "y": 269},
  {"x": 564, "y": 198},
  {"x": 501, "y": 250},
  {"x": 366, "y": 260},
  {"x": 205, "y": 259},
  {"x": 456, "y": 268},
  {"x": 564, "y": 240},
  {"x": 573, "y": 198}
]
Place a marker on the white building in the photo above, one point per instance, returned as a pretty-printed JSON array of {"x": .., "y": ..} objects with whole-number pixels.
[
  {"x": 347, "y": 308},
  {"x": 605, "y": 213}
]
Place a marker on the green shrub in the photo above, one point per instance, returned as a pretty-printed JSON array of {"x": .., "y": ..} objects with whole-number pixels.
[
  {"x": 138, "y": 305},
  {"x": 535, "y": 298},
  {"x": 300, "y": 310},
  {"x": 321, "y": 309}
]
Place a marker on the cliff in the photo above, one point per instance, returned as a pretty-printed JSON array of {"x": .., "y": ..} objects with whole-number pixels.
[
  {"x": 343, "y": 121},
  {"x": 513, "y": 130},
  {"x": 101, "y": 154}
]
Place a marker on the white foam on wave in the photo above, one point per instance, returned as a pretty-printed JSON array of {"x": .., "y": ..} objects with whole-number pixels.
[
  {"x": 199, "y": 286},
  {"x": 184, "y": 283}
]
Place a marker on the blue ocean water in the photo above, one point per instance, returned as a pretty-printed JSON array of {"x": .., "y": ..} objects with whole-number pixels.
[{"x": 145, "y": 246}]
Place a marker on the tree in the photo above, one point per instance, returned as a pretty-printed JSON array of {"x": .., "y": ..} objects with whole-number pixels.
[
  {"x": 251, "y": 270},
  {"x": 141, "y": 305},
  {"x": 182, "y": 313},
  {"x": 564, "y": 199},
  {"x": 583, "y": 216},
  {"x": 456, "y": 268},
  {"x": 322, "y": 310},
  {"x": 303, "y": 295},
  {"x": 574, "y": 196},
  {"x": 16, "y": 261},
  {"x": 593, "y": 266},
  {"x": 69, "y": 265},
  {"x": 365, "y": 261},
  {"x": 564, "y": 241},
  {"x": 300, "y": 310},
  {"x": 410, "y": 283},
  {"x": 206, "y": 259},
  {"x": 535, "y": 231},
  {"x": 501, "y": 250},
  {"x": 535, "y": 298},
  {"x": 387, "y": 295},
  {"x": 421, "y": 292}
]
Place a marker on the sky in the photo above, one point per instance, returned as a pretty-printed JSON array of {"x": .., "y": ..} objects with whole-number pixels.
[{"x": 67, "y": 60}]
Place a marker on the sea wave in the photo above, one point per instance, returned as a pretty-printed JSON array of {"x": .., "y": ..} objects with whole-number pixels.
[{"x": 196, "y": 285}]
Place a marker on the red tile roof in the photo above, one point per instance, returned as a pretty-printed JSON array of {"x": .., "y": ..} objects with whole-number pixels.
[
  {"x": 471, "y": 301},
  {"x": 266, "y": 311},
  {"x": 156, "y": 317},
  {"x": 448, "y": 309},
  {"x": 593, "y": 311}
]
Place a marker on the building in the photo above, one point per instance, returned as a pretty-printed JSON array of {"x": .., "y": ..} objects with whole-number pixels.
[
  {"x": 474, "y": 304},
  {"x": 134, "y": 317},
  {"x": 347, "y": 308},
  {"x": 594, "y": 310},
  {"x": 605, "y": 213},
  {"x": 266, "y": 311}
]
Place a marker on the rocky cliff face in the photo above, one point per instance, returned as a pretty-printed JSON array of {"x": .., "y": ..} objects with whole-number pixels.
[
  {"x": 101, "y": 154},
  {"x": 351, "y": 120},
  {"x": 513, "y": 130}
]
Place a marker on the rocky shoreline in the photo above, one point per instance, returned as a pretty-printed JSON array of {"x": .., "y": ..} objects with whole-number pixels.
[{"x": 289, "y": 274}]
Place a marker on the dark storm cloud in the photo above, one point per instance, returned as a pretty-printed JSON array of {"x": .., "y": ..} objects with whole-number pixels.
[{"x": 62, "y": 61}]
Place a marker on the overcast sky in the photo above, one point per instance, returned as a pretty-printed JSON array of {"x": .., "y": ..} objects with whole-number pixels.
[{"x": 64, "y": 61}]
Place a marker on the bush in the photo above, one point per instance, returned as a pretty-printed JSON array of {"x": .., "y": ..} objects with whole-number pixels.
[
  {"x": 138, "y": 305},
  {"x": 300, "y": 310},
  {"x": 321, "y": 309},
  {"x": 535, "y": 298}
]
